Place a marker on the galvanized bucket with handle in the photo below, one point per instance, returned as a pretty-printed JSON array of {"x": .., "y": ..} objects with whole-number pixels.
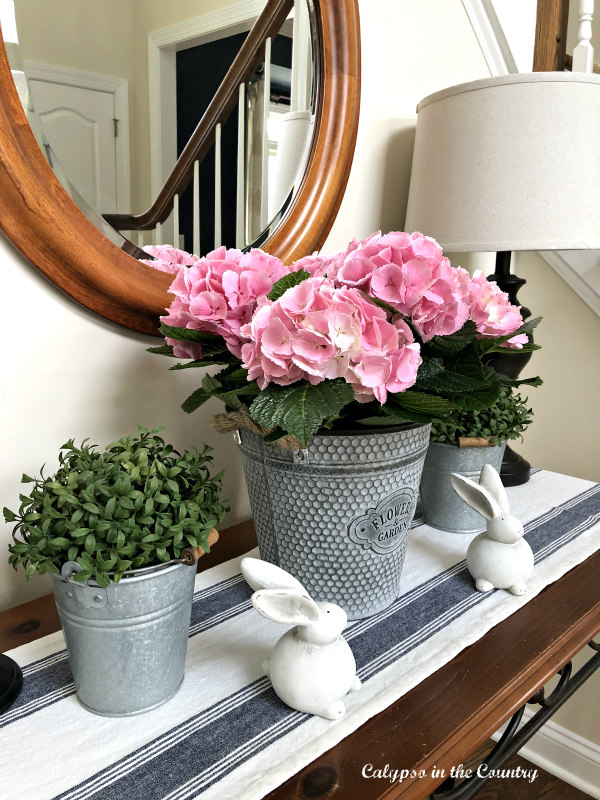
[
  {"x": 442, "y": 507},
  {"x": 337, "y": 514},
  {"x": 127, "y": 643}
]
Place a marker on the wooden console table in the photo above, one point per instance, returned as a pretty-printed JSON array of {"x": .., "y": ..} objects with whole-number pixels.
[{"x": 442, "y": 720}]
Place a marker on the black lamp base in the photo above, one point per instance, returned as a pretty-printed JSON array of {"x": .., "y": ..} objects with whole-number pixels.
[
  {"x": 11, "y": 680},
  {"x": 515, "y": 469}
]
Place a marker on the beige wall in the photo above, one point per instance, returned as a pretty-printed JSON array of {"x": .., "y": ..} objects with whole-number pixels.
[
  {"x": 66, "y": 373},
  {"x": 79, "y": 34},
  {"x": 565, "y": 435}
]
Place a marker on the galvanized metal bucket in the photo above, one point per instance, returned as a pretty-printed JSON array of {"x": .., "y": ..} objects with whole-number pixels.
[
  {"x": 127, "y": 644},
  {"x": 337, "y": 515},
  {"x": 442, "y": 507}
]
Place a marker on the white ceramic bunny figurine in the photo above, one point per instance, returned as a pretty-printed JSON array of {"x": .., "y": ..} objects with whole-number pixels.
[
  {"x": 499, "y": 558},
  {"x": 311, "y": 666}
]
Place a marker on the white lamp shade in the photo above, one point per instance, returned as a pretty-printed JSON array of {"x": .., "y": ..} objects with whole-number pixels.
[{"x": 509, "y": 163}]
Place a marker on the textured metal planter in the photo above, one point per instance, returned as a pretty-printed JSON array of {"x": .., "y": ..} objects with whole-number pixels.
[
  {"x": 442, "y": 507},
  {"x": 337, "y": 515},
  {"x": 127, "y": 644}
]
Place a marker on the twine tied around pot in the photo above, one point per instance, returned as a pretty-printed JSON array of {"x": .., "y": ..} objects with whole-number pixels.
[
  {"x": 474, "y": 441},
  {"x": 234, "y": 420}
]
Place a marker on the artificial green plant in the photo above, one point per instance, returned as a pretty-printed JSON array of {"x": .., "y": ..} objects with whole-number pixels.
[{"x": 138, "y": 503}]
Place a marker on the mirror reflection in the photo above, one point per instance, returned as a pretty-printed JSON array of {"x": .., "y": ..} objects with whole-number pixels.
[{"x": 114, "y": 90}]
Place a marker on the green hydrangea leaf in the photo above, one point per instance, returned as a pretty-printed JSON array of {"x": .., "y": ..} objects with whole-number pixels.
[
  {"x": 285, "y": 283},
  {"x": 301, "y": 409},
  {"x": 162, "y": 350},
  {"x": 420, "y": 403}
]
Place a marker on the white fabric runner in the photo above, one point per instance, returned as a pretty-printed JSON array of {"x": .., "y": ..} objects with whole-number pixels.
[{"x": 225, "y": 734}]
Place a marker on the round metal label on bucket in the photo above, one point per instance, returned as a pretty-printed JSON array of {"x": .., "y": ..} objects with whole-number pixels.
[{"x": 382, "y": 528}]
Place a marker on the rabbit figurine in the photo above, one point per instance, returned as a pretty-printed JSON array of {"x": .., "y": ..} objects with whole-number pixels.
[
  {"x": 311, "y": 667},
  {"x": 499, "y": 558}
]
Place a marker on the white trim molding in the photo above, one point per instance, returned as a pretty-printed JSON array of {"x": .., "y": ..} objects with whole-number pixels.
[
  {"x": 490, "y": 36},
  {"x": 119, "y": 88},
  {"x": 581, "y": 270},
  {"x": 564, "y": 754}
]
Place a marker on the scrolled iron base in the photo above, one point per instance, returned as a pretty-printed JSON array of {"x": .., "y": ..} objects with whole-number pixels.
[{"x": 514, "y": 737}]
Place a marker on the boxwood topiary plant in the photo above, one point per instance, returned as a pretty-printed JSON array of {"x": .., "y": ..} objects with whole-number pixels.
[
  {"x": 138, "y": 503},
  {"x": 507, "y": 418}
]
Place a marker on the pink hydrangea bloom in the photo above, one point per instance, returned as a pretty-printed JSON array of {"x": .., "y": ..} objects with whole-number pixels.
[
  {"x": 316, "y": 331},
  {"x": 219, "y": 293},
  {"x": 444, "y": 307},
  {"x": 492, "y": 311},
  {"x": 409, "y": 272},
  {"x": 167, "y": 258}
]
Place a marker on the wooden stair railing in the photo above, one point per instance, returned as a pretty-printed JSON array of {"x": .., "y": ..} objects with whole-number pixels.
[
  {"x": 243, "y": 67},
  {"x": 550, "y": 35}
]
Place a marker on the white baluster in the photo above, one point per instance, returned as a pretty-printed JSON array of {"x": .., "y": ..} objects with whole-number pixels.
[
  {"x": 240, "y": 214},
  {"x": 264, "y": 191},
  {"x": 176, "y": 220},
  {"x": 218, "y": 185},
  {"x": 301, "y": 58},
  {"x": 583, "y": 53},
  {"x": 196, "y": 209},
  {"x": 157, "y": 234}
]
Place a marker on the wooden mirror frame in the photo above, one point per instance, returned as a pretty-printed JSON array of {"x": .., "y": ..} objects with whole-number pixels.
[{"x": 45, "y": 225}]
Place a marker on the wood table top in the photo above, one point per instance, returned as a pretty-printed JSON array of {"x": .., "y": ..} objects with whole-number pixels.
[{"x": 441, "y": 721}]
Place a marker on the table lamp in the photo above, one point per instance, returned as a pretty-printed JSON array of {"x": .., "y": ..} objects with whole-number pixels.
[{"x": 509, "y": 163}]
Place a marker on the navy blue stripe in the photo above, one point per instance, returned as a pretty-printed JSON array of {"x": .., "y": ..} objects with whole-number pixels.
[
  {"x": 176, "y": 764},
  {"x": 202, "y": 751}
]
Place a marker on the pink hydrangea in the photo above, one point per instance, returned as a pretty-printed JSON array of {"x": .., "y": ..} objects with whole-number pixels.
[
  {"x": 492, "y": 311},
  {"x": 409, "y": 271},
  {"x": 444, "y": 307},
  {"x": 218, "y": 294},
  {"x": 316, "y": 331},
  {"x": 167, "y": 258}
]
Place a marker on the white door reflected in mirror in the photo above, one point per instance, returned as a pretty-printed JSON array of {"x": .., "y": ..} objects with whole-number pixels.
[{"x": 80, "y": 125}]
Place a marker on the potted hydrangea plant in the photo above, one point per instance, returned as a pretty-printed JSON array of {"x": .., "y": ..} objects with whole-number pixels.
[
  {"x": 342, "y": 361},
  {"x": 120, "y": 531},
  {"x": 463, "y": 442}
]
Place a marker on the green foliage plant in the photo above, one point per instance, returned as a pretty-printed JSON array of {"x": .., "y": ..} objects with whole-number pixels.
[
  {"x": 136, "y": 504},
  {"x": 506, "y": 418}
]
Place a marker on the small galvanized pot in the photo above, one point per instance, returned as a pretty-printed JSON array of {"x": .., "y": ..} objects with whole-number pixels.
[
  {"x": 442, "y": 507},
  {"x": 337, "y": 514},
  {"x": 127, "y": 644}
]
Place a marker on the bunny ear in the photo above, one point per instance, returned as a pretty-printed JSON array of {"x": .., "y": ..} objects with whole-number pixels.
[
  {"x": 475, "y": 496},
  {"x": 491, "y": 480},
  {"x": 262, "y": 575},
  {"x": 288, "y": 606}
]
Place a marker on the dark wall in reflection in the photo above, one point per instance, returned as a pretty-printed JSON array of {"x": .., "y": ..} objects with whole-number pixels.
[{"x": 200, "y": 71}]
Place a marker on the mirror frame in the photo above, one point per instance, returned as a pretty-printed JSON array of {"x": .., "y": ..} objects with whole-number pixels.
[{"x": 45, "y": 225}]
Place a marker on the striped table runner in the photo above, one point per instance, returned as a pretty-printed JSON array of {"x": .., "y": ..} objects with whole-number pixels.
[{"x": 226, "y": 734}]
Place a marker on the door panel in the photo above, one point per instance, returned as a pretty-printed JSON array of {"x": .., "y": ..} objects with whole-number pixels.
[{"x": 78, "y": 124}]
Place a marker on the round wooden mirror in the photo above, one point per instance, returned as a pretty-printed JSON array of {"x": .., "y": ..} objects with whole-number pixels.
[{"x": 43, "y": 222}]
